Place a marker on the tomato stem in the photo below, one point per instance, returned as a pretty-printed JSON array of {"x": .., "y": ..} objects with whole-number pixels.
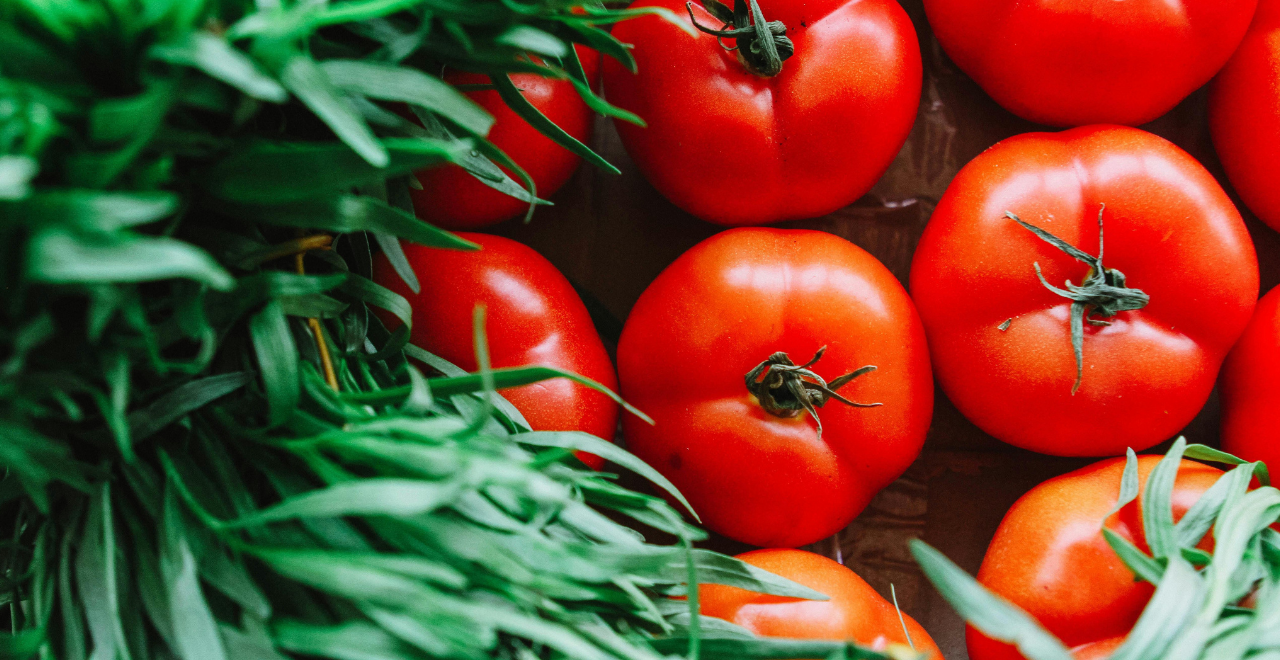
[
  {"x": 1103, "y": 291},
  {"x": 766, "y": 42},
  {"x": 781, "y": 387}
]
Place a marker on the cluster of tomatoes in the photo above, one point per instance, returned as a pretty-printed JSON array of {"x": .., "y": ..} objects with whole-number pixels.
[{"x": 1075, "y": 293}]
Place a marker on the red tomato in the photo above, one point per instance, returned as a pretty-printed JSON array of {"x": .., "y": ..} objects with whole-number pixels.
[
  {"x": 1251, "y": 388},
  {"x": 854, "y": 612},
  {"x": 720, "y": 311},
  {"x": 452, "y": 198},
  {"x": 1089, "y": 61},
  {"x": 738, "y": 148},
  {"x": 1244, "y": 115},
  {"x": 533, "y": 316},
  {"x": 1001, "y": 341},
  {"x": 1049, "y": 556}
]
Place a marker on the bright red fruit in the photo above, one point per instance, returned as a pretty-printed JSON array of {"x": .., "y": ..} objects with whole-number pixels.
[
  {"x": 1089, "y": 61},
  {"x": 533, "y": 317},
  {"x": 1180, "y": 282},
  {"x": 854, "y": 611},
  {"x": 453, "y": 199},
  {"x": 1244, "y": 115},
  {"x": 726, "y": 309},
  {"x": 1251, "y": 388},
  {"x": 736, "y": 147},
  {"x": 1049, "y": 557}
]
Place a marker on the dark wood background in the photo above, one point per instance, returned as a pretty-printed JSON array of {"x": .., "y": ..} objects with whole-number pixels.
[{"x": 611, "y": 235}]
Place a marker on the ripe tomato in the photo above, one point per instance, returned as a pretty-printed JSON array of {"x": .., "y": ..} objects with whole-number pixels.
[
  {"x": 854, "y": 612},
  {"x": 1251, "y": 388},
  {"x": 1244, "y": 115},
  {"x": 452, "y": 198},
  {"x": 691, "y": 356},
  {"x": 1089, "y": 61},
  {"x": 1049, "y": 556},
  {"x": 1002, "y": 341},
  {"x": 736, "y": 147},
  {"x": 533, "y": 317}
]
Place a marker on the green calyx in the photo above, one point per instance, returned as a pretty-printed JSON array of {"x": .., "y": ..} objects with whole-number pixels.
[
  {"x": 785, "y": 388},
  {"x": 1103, "y": 293},
  {"x": 762, "y": 45}
]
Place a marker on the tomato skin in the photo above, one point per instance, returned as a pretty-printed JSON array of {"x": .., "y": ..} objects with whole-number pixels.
[
  {"x": 854, "y": 611},
  {"x": 1049, "y": 556},
  {"x": 532, "y": 316},
  {"x": 1169, "y": 228},
  {"x": 721, "y": 309},
  {"x": 1089, "y": 61},
  {"x": 1244, "y": 115},
  {"x": 1251, "y": 388},
  {"x": 735, "y": 148},
  {"x": 453, "y": 199}
]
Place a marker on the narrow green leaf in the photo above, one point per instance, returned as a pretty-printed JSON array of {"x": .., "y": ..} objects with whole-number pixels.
[
  {"x": 608, "y": 451},
  {"x": 1204, "y": 453},
  {"x": 715, "y": 568},
  {"x": 354, "y": 11},
  {"x": 97, "y": 211},
  {"x": 578, "y": 76},
  {"x": 994, "y": 616},
  {"x": 356, "y": 640},
  {"x": 517, "y": 376},
  {"x": 395, "y": 256},
  {"x": 277, "y": 360},
  {"x": 521, "y": 106},
  {"x": 241, "y": 646},
  {"x": 533, "y": 40},
  {"x": 1157, "y": 503},
  {"x": 374, "y": 496},
  {"x": 1143, "y": 566},
  {"x": 314, "y": 305},
  {"x": 16, "y": 173},
  {"x": 184, "y": 399},
  {"x": 213, "y": 55},
  {"x": 733, "y": 647},
  {"x": 1176, "y": 601},
  {"x": 194, "y": 629},
  {"x": 291, "y": 172},
  {"x": 388, "y": 82},
  {"x": 302, "y": 76},
  {"x": 58, "y": 256},
  {"x": 1199, "y": 518},
  {"x": 1128, "y": 484}
]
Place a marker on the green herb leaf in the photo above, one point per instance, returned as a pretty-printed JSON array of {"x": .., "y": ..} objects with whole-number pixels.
[
  {"x": 994, "y": 616},
  {"x": 221, "y": 60}
]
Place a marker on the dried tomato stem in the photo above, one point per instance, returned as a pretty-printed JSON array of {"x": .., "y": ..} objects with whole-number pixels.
[
  {"x": 1103, "y": 291},
  {"x": 762, "y": 45},
  {"x": 784, "y": 388}
]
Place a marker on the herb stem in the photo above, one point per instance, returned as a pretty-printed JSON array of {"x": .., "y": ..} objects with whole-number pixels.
[{"x": 330, "y": 376}]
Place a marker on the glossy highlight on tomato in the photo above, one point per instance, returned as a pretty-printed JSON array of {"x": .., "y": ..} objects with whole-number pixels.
[
  {"x": 717, "y": 313},
  {"x": 1089, "y": 61},
  {"x": 452, "y": 198},
  {"x": 853, "y": 612},
  {"x": 735, "y": 147},
  {"x": 1251, "y": 388},
  {"x": 533, "y": 317},
  {"x": 1002, "y": 342},
  {"x": 1244, "y": 115},
  {"x": 1049, "y": 556}
]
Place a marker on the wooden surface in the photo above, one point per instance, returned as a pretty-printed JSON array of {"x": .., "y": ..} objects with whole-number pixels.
[{"x": 611, "y": 235}]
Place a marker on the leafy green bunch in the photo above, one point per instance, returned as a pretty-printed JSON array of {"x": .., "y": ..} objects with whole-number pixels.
[
  {"x": 1219, "y": 606},
  {"x": 211, "y": 448}
]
